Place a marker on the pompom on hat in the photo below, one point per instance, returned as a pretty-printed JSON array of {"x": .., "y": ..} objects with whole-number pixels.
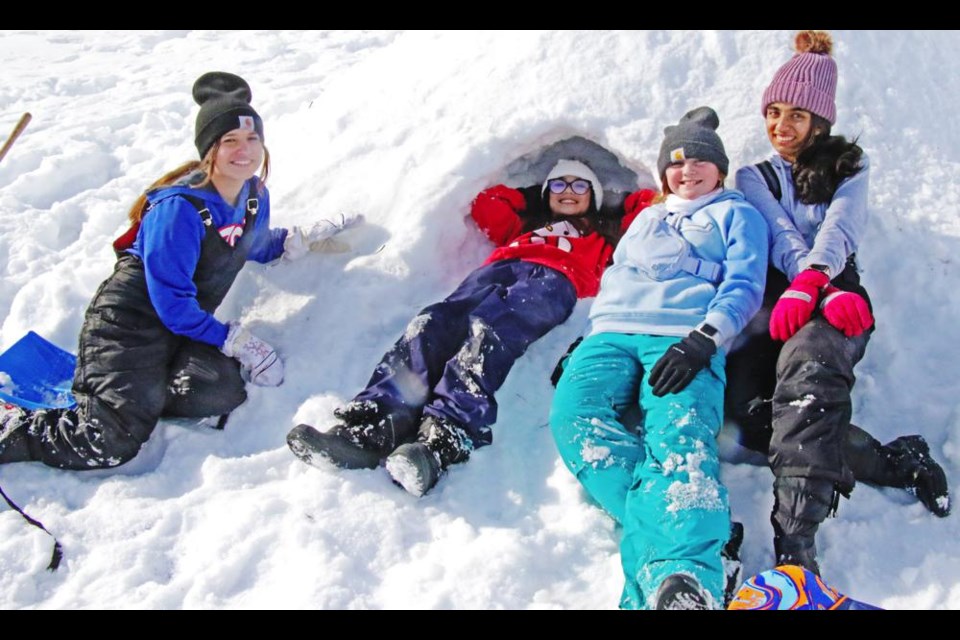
[
  {"x": 809, "y": 79},
  {"x": 567, "y": 167},
  {"x": 224, "y": 100},
  {"x": 695, "y": 136}
]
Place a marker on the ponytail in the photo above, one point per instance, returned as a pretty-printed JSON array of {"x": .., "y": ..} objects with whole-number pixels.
[
  {"x": 205, "y": 166},
  {"x": 135, "y": 215}
]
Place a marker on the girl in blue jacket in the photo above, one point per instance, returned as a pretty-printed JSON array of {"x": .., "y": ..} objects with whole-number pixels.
[
  {"x": 686, "y": 278},
  {"x": 150, "y": 345}
]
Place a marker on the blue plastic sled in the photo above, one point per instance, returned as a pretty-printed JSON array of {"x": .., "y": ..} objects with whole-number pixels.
[{"x": 37, "y": 374}]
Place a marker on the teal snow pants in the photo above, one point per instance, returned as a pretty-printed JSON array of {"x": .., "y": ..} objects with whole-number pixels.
[{"x": 659, "y": 480}]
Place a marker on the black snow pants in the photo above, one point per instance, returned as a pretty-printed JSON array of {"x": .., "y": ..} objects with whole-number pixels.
[
  {"x": 132, "y": 370},
  {"x": 792, "y": 401}
]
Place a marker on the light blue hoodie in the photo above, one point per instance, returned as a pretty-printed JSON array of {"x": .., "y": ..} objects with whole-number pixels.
[{"x": 650, "y": 290}]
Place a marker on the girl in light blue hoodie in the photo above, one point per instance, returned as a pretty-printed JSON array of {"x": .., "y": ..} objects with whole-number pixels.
[{"x": 687, "y": 277}]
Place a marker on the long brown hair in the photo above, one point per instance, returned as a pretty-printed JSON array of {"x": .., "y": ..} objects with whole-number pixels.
[{"x": 139, "y": 207}]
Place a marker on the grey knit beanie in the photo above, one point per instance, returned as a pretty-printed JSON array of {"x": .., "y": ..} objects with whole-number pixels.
[
  {"x": 224, "y": 100},
  {"x": 695, "y": 136}
]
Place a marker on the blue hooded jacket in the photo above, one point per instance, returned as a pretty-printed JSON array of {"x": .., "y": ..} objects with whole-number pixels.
[{"x": 169, "y": 242}]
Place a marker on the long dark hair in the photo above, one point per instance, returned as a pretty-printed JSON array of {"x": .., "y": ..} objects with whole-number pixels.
[{"x": 826, "y": 162}]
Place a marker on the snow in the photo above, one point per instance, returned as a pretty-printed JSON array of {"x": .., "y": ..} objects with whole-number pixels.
[
  {"x": 699, "y": 492},
  {"x": 406, "y": 127},
  {"x": 804, "y": 401}
]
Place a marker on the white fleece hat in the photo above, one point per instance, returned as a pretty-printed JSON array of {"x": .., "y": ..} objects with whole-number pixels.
[{"x": 567, "y": 167}]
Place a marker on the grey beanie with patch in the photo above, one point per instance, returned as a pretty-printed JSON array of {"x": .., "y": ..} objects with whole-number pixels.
[{"x": 695, "y": 136}]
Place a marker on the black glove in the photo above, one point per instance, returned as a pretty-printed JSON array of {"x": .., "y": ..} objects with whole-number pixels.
[
  {"x": 562, "y": 363},
  {"x": 681, "y": 363}
]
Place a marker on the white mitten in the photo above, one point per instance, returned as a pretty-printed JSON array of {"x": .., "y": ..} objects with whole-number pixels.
[
  {"x": 295, "y": 244},
  {"x": 320, "y": 236},
  {"x": 258, "y": 360}
]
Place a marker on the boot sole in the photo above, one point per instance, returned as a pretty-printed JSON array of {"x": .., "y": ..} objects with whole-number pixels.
[
  {"x": 732, "y": 566},
  {"x": 927, "y": 481},
  {"x": 931, "y": 489},
  {"x": 317, "y": 449},
  {"x": 414, "y": 468},
  {"x": 680, "y": 592}
]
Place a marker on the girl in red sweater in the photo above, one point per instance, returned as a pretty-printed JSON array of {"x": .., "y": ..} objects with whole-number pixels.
[{"x": 430, "y": 400}]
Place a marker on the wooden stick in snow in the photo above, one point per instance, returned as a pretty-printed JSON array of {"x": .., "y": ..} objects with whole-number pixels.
[{"x": 17, "y": 130}]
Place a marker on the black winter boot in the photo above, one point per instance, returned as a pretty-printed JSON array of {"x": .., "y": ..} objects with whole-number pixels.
[
  {"x": 13, "y": 442},
  {"x": 358, "y": 413},
  {"x": 680, "y": 592},
  {"x": 732, "y": 567},
  {"x": 799, "y": 506},
  {"x": 904, "y": 463},
  {"x": 418, "y": 465},
  {"x": 12, "y": 418},
  {"x": 365, "y": 439},
  {"x": 912, "y": 468}
]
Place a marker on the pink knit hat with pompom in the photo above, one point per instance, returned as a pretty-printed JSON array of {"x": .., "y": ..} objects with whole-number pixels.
[{"x": 809, "y": 79}]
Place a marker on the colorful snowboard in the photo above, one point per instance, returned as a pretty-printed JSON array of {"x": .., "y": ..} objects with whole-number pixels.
[
  {"x": 37, "y": 374},
  {"x": 792, "y": 588}
]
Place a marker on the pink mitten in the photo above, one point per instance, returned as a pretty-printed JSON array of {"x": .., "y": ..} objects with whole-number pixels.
[
  {"x": 847, "y": 311},
  {"x": 796, "y": 305}
]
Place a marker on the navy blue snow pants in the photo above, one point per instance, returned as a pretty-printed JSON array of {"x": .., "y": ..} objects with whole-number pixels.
[{"x": 456, "y": 353}]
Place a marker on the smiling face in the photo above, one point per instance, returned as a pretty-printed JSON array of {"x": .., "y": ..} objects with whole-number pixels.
[
  {"x": 692, "y": 178},
  {"x": 238, "y": 156},
  {"x": 567, "y": 202},
  {"x": 789, "y": 129}
]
